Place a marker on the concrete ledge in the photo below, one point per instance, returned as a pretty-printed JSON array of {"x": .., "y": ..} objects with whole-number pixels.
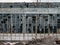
[{"x": 31, "y": 10}]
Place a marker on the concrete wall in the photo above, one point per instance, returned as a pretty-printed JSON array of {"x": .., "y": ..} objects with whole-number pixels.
[
  {"x": 26, "y": 37},
  {"x": 31, "y": 10}
]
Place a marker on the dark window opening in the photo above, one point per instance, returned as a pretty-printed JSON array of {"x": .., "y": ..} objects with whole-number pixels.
[
  {"x": 54, "y": 29},
  {"x": 58, "y": 25},
  {"x": 46, "y": 29},
  {"x": 38, "y": 29},
  {"x": 9, "y": 17},
  {"x": 26, "y": 17},
  {"x": 46, "y": 19},
  {"x": 58, "y": 15},
  {"x": 1, "y": 21},
  {"x": 1, "y": 30},
  {"x": 26, "y": 24},
  {"x": 50, "y": 14},
  {"x": 42, "y": 31},
  {"x": 33, "y": 29},
  {"x": 26, "y": 4},
  {"x": 5, "y": 19},
  {"x": 58, "y": 21},
  {"x": 21, "y": 28},
  {"x": 17, "y": 16},
  {"x": 34, "y": 19},
  {"x": 4, "y": 16},
  {"x": 29, "y": 30},
  {"x": 13, "y": 26},
  {"x": 21, "y": 19},
  {"x": 11, "y": 6},
  {"x": 30, "y": 25},
  {"x": 53, "y": 17}
]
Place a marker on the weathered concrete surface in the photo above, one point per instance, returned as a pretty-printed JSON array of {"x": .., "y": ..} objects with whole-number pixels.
[
  {"x": 31, "y": 10},
  {"x": 18, "y": 37},
  {"x": 39, "y": 41},
  {"x": 44, "y": 41}
]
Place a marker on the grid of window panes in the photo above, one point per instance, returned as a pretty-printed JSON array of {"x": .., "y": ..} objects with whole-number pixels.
[{"x": 19, "y": 23}]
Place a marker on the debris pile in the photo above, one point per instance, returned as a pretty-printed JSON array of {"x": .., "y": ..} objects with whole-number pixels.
[
  {"x": 1, "y": 43},
  {"x": 57, "y": 40},
  {"x": 7, "y": 44},
  {"x": 20, "y": 43},
  {"x": 44, "y": 41}
]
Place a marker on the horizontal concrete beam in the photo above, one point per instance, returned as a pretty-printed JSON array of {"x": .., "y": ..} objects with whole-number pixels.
[
  {"x": 26, "y": 37},
  {"x": 31, "y": 10}
]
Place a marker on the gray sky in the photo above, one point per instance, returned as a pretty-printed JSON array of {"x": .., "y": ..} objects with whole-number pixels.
[{"x": 29, "y": 0}]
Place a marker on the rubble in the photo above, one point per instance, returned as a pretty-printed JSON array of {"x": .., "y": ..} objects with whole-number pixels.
[
  {"x": 7, "y": 44},
  {"x": 20, "y": 43},
  {"x": 1, "y": 43},
  {"x": 44, "y": 41}
]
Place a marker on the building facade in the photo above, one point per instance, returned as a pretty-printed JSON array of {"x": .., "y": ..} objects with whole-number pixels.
[{"x": 29, "y": 18}]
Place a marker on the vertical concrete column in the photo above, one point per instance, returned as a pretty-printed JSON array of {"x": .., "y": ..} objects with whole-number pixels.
[
  {"x": 55, "y": 18},
  {"x": 19, "y": 24},
  {"x": 40, "y": 28},
  {"x": 11, "y": 26},
  {"x": 40, "y": 23},
  {"x": 7, "y": 28},
  {"x": 36, "y": 28},
  {"x": 44, "y": 26},
  {"x": 15, "y": 26},
  {"x": 56, "y": 27},
  {"x": 48, "y": 25},
  {"x": 27, "y": 24},
  {"x": 3, "y": 27},
  {"x": 24, "y": 26},
  {"x": 3, "y": 30},
  {"x": 55, "y": 24},
  {"x": 52, "y": 24},
  {"x": 31, "y": 25}
]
